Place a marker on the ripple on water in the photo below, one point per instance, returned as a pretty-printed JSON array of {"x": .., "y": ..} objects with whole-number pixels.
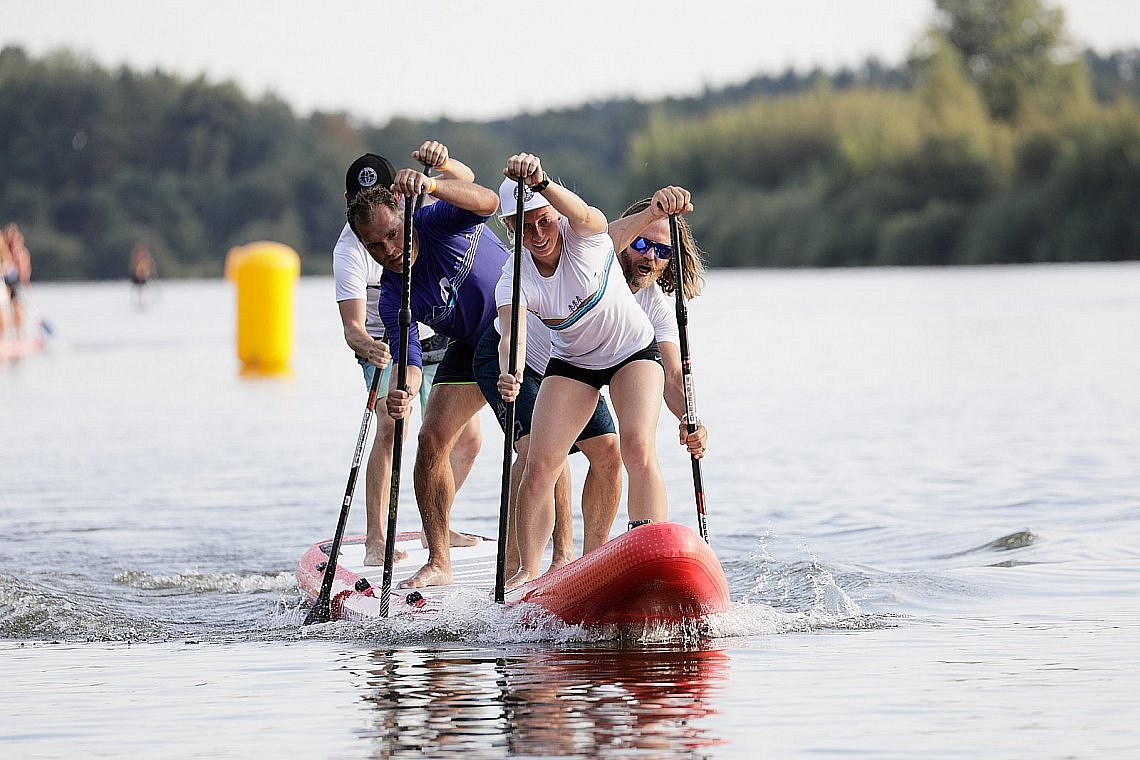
[{"x": 28, "y": 611}]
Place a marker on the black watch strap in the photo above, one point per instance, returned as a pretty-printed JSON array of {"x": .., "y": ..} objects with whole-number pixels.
[{"x": 538, "y": 187}]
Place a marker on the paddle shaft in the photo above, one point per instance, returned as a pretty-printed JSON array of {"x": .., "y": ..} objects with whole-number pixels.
[
  {"x": 398, "y": 434},
  {"x": 687, "y": 371},
  {"x": 509, "y": 421},
  {"x": 321, "y": 611}
]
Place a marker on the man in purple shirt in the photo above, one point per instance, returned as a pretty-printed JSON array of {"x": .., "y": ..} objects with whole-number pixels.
[{"x": 456, "y": 263}]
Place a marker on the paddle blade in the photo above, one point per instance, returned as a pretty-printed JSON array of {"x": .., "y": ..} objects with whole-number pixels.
[{"x": 321, "y": 612}]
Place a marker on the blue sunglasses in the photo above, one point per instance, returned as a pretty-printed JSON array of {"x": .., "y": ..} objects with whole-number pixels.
[{"x": 660, "y": 250}]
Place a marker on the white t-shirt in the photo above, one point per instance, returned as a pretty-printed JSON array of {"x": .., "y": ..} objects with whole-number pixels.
[
  {"x": 658, "y": 307},
  {"x": 662, "y": 312},
  {"x": 356, "y": 275},
  {"x": 594, "y": 320}
]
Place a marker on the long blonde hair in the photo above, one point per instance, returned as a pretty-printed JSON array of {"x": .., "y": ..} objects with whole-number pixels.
[{"x": 694, "y": 265}]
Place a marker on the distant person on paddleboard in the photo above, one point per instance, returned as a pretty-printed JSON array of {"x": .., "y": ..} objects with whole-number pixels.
[
  {"x": 6, "y": 264},
  {"x": 357, "y": 282},
  {"x": 456, "y": 263},
  {"x": 572, "y": 280},
  {"x": 16, "y": 268},
  {"x": 141, "y": 270}
]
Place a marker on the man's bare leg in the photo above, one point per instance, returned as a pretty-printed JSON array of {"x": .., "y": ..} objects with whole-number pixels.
[
  {"x": 601, "y": 493},
  {"x": 563, "y": 521},
  {"x": 462, "y": 459},
  {"x": 377, "y": 487},
  {"x": 449, "y": 409},
  {"x": 511, "y": 564}
]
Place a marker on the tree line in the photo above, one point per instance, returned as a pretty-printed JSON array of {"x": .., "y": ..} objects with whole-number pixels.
[{"x": 989, "y": 145}]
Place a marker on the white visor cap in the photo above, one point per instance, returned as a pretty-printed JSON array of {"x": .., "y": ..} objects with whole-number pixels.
[{"x": 508, "y": 198}]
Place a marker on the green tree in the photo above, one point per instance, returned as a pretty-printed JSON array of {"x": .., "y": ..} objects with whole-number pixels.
[{"x": 1018, "y": 54}]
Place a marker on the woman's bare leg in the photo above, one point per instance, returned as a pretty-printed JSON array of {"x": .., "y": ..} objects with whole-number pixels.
[
  {"x": 561, "y": 411},
  {"x": 635, "y": 391}
]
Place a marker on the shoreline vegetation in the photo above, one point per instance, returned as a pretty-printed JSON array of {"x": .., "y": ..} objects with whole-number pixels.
[{"x": 996, "y": 142}]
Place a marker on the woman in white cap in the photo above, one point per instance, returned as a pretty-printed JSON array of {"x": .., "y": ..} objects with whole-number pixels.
[{"x": 571, "y": 279}]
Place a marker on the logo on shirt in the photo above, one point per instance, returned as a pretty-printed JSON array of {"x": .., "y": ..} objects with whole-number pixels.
[{"x": 446, "y": 291}]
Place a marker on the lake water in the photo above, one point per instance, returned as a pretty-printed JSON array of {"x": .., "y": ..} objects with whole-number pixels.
[{"x": 923, "y": 485}]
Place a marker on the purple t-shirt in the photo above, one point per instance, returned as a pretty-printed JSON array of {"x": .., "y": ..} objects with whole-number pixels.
[{"x": 453, "y": 279}]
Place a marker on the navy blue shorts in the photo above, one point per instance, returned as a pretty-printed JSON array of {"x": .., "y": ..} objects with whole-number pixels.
[{"x": 486, "y": 366}]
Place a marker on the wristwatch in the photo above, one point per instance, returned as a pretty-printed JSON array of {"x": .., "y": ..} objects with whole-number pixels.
[{"x": 538, "y": 187}]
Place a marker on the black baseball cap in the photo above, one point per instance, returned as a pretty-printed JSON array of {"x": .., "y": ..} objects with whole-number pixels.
[{"x": 367, "y": 171}]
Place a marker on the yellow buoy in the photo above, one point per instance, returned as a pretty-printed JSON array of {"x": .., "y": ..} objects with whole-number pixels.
[{"x": 264, "y": 273}]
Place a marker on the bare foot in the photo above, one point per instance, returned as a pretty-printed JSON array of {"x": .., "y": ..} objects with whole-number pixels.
[
  {"x": 464, "y": 539},
  {"x": 428, "y": 575},
  {"x": 559, "y": 561},
  {"x": 518, "y": 579},
  {"x": 456, "y": 538},
  {"x": 374, "y": 555}
]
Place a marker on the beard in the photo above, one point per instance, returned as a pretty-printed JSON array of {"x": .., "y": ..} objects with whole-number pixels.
[{"x": 638, "y": 275}]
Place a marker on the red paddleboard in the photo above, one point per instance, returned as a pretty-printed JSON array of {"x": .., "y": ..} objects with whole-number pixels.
[
  {"x": 14, "y": 349},
  {"x": 658, "y": 573}
]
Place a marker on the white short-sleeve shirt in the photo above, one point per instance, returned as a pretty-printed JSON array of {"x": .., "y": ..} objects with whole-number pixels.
[
  {"x": 662, "y": 313},
  {"x": 594, "y": 320}
]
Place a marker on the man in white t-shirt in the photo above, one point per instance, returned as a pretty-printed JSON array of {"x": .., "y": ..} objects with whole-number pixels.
[
  {"x": 357, "y": 281},
  {"x": 642, "y": 239}
]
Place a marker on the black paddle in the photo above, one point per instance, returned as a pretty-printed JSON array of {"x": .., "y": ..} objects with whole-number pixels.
[
  {"x": 509, "y": 424},
  {"x": 321, "y": 611},
  {"x": 401, "y": 383},
  {"x": 687, "y": 372}
]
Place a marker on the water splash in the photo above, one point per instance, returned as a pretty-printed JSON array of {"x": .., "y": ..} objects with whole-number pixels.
[
  {"x": 201, "y": 583},
  {"x": 780, "y": 597}
]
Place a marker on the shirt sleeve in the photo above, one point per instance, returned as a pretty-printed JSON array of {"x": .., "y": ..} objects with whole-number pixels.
[
  {"x": 391, "y": 289},
  {"x": 350, "y": 274},
  {"x": 444, "y": 219},
  {"x": 661, "y": 312},
  {"x": 504, "y": 288}
]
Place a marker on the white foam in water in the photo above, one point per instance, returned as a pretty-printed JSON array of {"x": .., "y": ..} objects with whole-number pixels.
[{"x": 227, "y": 583}]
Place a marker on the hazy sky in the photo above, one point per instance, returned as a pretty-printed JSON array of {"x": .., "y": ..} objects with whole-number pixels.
[{"x": 475, "y": 60}]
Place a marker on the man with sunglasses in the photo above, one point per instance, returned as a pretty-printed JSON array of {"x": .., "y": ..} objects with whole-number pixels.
[{"x": 641, "y": 237}]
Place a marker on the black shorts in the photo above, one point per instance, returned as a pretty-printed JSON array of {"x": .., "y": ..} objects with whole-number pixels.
[
  {"x": 599, "y": 378},
  {"x": 455, "y": 368}
]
